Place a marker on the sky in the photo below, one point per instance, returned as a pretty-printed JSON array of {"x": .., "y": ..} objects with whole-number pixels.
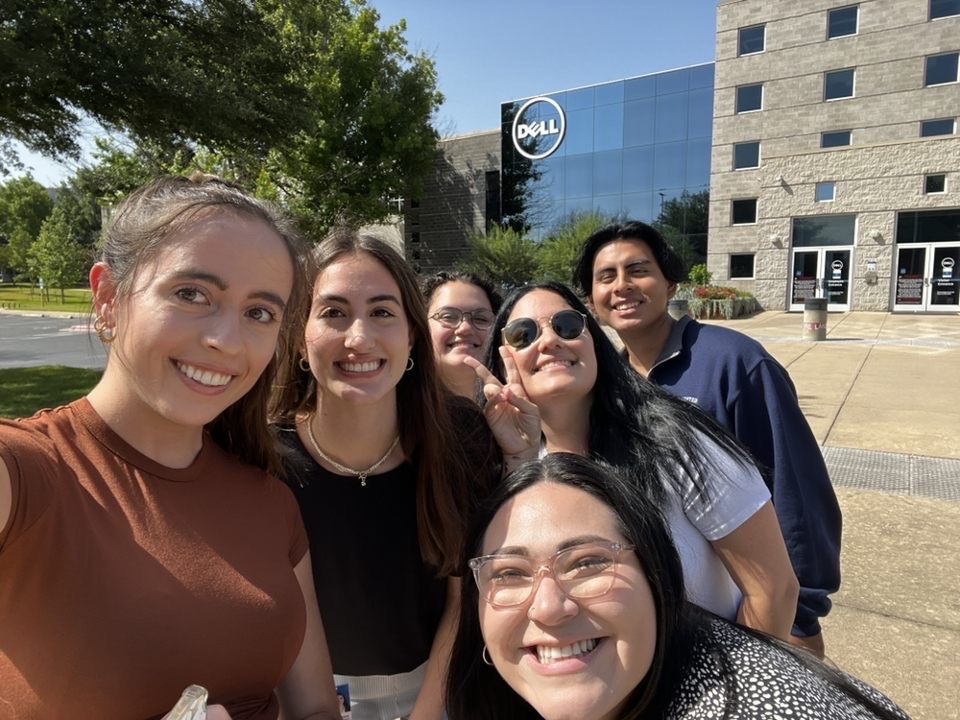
[{"x": 490, "y": 51}]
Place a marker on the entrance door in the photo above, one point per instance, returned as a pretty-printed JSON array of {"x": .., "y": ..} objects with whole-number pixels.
[
  {"x": 945, "y": 278},
  {"x": 928, "y": 278},
  {"x": 821, "y": 273}
]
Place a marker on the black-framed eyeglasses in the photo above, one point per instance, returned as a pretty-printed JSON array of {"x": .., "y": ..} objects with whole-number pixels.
[
  {"x": 567, "y": 324},
  {"x": 451, "y": 317},
  {"x": 582, "y": 571}
]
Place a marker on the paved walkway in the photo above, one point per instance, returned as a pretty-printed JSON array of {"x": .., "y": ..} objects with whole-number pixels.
[{"x": 881, "y": 396}]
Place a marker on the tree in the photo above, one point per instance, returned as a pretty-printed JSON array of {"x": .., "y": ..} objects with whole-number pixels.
[
  {"x": 559, "y": 251},
  {"x": 24, "y": 205},
  {"x": 502, "y": 254},
  {"x": 56, "y": 257},
  {"x": 683, "y": 222},
  {"x": 307, "y": 103},
  {"x": 117, "y": 170},
  {"x": 367, "y": 136},
  {"x": 166, "y": 70}
]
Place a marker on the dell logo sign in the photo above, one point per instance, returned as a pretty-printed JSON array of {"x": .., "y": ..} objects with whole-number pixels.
[{"x": 547, "y": 133}]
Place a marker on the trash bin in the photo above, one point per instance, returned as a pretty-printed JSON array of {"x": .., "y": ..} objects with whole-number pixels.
[
  {"x": 815, "y": 319},
  {"x": 677, "y": 308}
]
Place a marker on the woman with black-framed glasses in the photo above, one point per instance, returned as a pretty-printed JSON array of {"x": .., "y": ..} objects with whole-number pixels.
[
  {"x": 575, "y": 610},
  {"x": 557, "y": 384},
  {"x": 461, "y": 307}
]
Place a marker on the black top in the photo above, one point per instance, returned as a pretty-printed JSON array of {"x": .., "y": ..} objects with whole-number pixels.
[{"x": 379, "y": 603}]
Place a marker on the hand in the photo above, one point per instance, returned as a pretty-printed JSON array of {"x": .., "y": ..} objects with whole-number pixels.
[
  {"x": 513, "y": 419},
  {"x": 217, "y": 712}
]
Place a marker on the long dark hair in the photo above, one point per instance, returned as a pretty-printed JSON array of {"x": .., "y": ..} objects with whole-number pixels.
[
  {"x": 139, "y": 229},
  {"x": 629, "y": 414},
  {"x": 443, "y": 436},
  {"x": 476, "y": 691}
]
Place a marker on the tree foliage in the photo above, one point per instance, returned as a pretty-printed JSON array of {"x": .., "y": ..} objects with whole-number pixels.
[
  {"x": 310, "y": 104},
  {"x": 367, "y": 136},
  {"x": 56, "y": 256},
  {"x": 166, "y": 70},
  {"x": 504, "y": 255},
  {"x": 24, "y": 205},
  {"x": 558, "y": 252}
]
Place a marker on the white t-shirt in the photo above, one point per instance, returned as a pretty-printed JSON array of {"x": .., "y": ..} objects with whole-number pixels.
[{"x": 734, "y": 493}]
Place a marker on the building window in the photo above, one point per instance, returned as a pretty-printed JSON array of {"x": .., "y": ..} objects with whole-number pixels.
[
  {"x": 835, "y": 138},
  {"x": 751, "y": 40},
  {"x": 825, "y": 191},
  {"x": 941, "y": 69},
  {"x": 824, "y": 230},
  {"x": 746, "y": 155},
  {"x": 838, "y": 84},
  {"x": 934, "y": 184},
  {"x": 415, "y": 236},
  {"x": 743, "y": 212},
  {"x": 944, "y": 8},
  {"x": 930, "y": 128},
  {"x": 749, "y": 98},
  {"x": 842, "y": 22},
  {"x": 414, "y": 204},
  {"x": 741, "y": 266}
]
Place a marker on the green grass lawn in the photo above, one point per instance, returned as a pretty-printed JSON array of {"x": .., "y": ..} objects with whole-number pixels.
[
  {"x": 21, "y": 296},
  {"x": 23, "y": 391}
]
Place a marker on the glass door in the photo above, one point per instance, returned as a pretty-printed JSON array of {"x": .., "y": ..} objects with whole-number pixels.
[
  {"x": 927, "y": 278},
  {"x": 909, "y": 290},
  {"x": 945, "y": 278},
  {"x": 836, "y": 282},
  {"x": 821, "y": 273},
  {"x": 805, "y": 279}
]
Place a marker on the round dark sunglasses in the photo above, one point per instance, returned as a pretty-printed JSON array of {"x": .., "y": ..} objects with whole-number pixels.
[{"x": 566, "y": 324}]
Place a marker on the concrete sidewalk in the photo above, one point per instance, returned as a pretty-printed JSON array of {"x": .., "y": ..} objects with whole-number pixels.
[{"x": 881, "y": 396}]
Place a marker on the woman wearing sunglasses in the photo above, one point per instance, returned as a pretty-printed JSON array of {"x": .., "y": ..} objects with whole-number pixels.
[
  {"x": 575, "y": 611},
  {"x": 461, "y": 307},
  {"x": 558, "y": 385}
]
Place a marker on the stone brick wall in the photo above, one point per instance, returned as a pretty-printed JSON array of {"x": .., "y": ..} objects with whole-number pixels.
[
  {"x": 879, "y": 174},
  {"x": 453, "y": 202}
]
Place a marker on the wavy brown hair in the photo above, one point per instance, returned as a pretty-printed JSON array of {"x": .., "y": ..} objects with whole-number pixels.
[
  {"x": 445, "y": 438},
  {"x": 146, "y": 221}
]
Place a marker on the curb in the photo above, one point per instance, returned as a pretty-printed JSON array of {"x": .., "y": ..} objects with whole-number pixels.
[{"x": 45, "y": 313}]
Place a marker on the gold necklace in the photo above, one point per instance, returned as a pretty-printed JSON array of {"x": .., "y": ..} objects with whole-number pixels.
[{"x": 362, "y": 474}]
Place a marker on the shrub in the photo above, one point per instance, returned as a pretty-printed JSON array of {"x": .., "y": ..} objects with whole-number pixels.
[
  {"x": 699, "y": 275},
  {"x": 712, "y": 292}
]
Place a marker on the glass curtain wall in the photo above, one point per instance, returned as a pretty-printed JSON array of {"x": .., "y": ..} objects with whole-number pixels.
[{"x": 628, "y": 148}]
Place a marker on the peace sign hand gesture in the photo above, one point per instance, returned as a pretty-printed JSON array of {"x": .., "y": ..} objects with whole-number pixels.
[{"x": 513, "y": 419}]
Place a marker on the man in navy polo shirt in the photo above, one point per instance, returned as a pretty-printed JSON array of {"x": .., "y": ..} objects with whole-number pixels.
[{"x": 627, "y": 274}]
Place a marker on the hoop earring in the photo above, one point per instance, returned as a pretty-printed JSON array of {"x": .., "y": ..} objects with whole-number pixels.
[
  {"x": 409, "y": 364},
  {"x": 303, "y": 364},
  {"x": 485, "y": 655},
  {"x": 103, "y": 331}
]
